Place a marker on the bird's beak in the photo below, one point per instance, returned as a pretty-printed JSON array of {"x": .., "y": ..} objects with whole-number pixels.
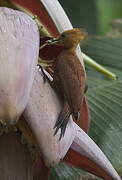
[{"x": 53, "y": 41}]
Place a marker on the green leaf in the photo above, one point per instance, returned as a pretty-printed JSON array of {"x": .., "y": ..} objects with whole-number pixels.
[
  {"x": 105, "y": 102},
  {"x": 106, "y": 51},
  {"x": 64, "y": 172},
  {"x": 105, "y": 98}
]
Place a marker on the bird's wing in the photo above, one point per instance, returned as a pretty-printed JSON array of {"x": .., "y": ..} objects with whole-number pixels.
[{"x": 71, "y": 78}]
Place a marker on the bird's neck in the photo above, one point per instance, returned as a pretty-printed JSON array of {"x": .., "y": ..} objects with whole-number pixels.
[{"x": 71, "y": 49}]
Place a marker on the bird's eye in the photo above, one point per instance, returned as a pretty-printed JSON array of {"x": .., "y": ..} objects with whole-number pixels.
[{"x": 63, "y": 35}]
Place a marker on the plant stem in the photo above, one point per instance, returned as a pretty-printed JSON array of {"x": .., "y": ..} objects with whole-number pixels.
[{"x": 98, "y": 67}]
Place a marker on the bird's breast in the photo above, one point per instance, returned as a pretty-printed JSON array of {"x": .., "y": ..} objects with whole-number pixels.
[{"x": 71, "y": 77}]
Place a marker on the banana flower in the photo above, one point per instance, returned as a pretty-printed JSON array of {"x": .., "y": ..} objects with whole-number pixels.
[{"x": 76, "y": 147}]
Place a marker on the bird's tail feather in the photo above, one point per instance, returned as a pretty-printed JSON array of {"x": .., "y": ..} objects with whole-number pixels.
[{"x": 62, "y": 120}]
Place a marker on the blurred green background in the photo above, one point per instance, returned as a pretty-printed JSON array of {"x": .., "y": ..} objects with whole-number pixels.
[
  {"x": 94, "y": 15},
  {"x": 104, "y": 95}
]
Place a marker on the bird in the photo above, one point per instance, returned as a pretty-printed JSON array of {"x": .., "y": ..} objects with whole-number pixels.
[{"x": 69, "y": 76}]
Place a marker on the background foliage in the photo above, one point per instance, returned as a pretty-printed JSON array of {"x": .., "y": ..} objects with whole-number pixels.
[
  {"x": 104, "y": 95},
  {"x": 94, "y": 15}
]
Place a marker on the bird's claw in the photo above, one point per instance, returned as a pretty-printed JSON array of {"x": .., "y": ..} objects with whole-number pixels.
[{"x": 43, "y": 73}]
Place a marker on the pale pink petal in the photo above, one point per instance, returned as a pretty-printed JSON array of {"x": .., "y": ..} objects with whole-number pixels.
[
  {"x": 85, "y": 146},
  {"x": 41, "y": 114},
  {"x": 19, "y": 47}
]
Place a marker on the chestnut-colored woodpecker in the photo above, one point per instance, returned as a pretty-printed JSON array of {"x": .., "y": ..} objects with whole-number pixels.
[{"x": 69, "y": 76}]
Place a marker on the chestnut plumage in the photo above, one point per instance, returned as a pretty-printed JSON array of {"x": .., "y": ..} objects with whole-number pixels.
[{"x": 69, "y": 76}]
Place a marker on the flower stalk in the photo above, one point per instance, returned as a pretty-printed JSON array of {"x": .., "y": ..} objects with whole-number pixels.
[{"x": 88, "y": 60}]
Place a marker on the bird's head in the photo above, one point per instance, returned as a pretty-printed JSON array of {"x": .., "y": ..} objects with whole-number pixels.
[{"x": 69, "y": 39}]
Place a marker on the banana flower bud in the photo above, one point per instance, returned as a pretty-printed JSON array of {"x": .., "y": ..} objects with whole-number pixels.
[{"x": 19, "y": 47}]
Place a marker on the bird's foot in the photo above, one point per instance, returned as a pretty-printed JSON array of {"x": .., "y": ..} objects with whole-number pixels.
[
  {"x": 45, "y": 77},
  {"x": 76, "y": 115}
]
